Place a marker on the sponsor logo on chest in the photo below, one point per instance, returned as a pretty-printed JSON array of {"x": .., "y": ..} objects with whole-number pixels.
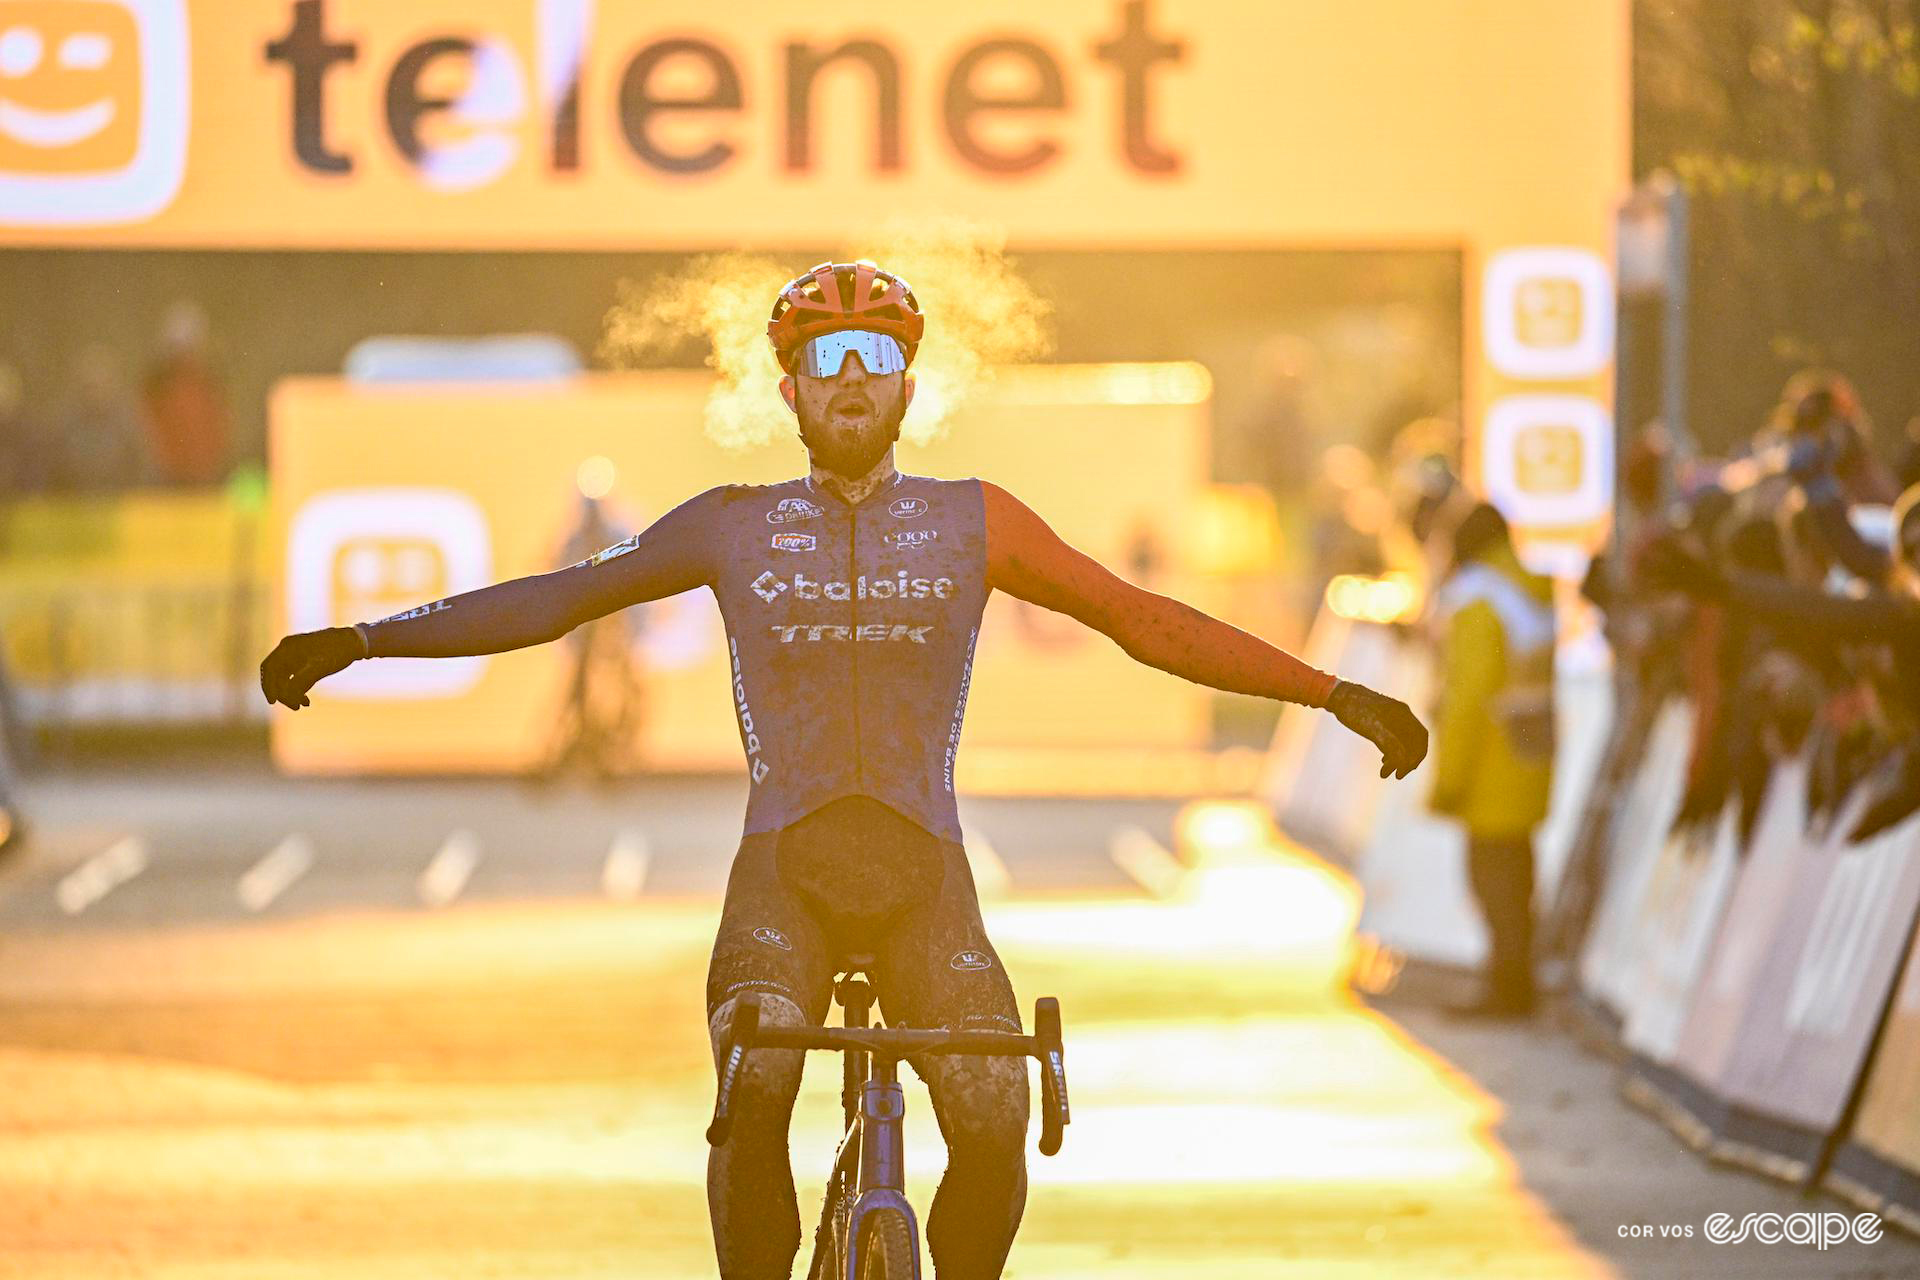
[
  {"x": 904, "y": 538},
  {"x": 793, "y": 542},
  {"x": 908, "y": 508},
  {"x": 770, "y": 586},
  {"x": 865, "y": 633},
  {"x": 793, "y": 510}
]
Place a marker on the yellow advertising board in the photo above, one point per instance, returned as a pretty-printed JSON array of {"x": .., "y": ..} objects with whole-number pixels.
[{"x": 388, "y": 497}]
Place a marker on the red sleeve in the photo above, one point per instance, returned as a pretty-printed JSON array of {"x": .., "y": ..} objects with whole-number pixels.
[{"x": 1027, "y": 560}]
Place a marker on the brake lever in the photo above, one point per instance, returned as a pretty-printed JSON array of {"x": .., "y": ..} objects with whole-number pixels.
[
  {"x": 746, "y": 1022},
  {"x": 1055, "y": 1112}
]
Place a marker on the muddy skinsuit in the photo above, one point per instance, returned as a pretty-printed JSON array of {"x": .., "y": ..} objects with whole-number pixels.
[
  {"x": 851, "y": 630},
  {"x": 855, "y": 876}
]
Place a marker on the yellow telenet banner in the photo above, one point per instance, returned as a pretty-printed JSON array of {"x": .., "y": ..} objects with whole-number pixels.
[
  {"x": 1493, "y": 128},
  {"x": 575, "y": 124}
]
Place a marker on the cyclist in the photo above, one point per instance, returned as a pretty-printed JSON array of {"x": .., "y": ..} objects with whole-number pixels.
[{"x": 852, "y": 598}]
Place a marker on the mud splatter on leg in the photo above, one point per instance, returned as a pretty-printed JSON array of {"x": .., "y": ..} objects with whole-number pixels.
[
  {"x": 750, "y": 1195},
  {"x": 982, "y": 1107}
]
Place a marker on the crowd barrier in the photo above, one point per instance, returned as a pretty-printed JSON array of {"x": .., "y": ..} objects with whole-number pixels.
[
  {"x": 1325, "y": 788},
  {"x": 1878, "y": 1165},
  {"x": 1753, "y": 980},
  {"x": 1644, "y": 812},
  {"x": 1789, "y": 1004},
  {"x": 137, "y": 609},
  {"x": 1323, "y": 782},
  {"x": 1764, "y": 990}
]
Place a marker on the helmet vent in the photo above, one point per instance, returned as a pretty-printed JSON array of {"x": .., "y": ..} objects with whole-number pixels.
[{"x": 831, "y": 297}]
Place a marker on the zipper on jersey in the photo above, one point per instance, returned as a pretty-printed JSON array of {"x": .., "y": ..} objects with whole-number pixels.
[{"x": 853, "y": 648}]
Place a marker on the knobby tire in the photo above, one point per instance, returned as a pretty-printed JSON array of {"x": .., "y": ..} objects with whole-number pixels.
[{"x": 886, "y": 1246}]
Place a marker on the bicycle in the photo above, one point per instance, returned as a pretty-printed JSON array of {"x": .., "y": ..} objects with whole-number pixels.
[{"x": 867, "y": 1229}]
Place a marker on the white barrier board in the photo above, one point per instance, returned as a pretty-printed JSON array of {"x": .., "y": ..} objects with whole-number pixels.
[
  {"x": 1648, "y": 808},
  {"x": 1805, "y": 1048},
  {"x": 1761, "y": 893},
  {"x": 1686, "y": 897}
]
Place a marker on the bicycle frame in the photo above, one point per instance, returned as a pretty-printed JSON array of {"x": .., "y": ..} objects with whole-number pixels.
[{"x": 872, "y": 1156}]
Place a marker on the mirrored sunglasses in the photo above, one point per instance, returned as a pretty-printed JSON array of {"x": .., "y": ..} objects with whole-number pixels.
[{"x": 823, "y": 357}]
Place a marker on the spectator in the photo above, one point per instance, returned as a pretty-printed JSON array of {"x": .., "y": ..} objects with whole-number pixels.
[
  {"x": 1725, "y": 654},
  {"x": 1880, "y": 630},
  {"x": 21, "y": 445},
  {"x": 1422, "y": 476},
  {"x": 1347, "y": 512},
  {"x": 100, "y": 446},
  {"x": 600, "y": 714},
  {"x": 1907, "y": 469},
  {"x": 1820, "y": 405},
  {"x": 1905, "y": 578},
  {"x": 185, "y": 405},
  {"x": 13, "y": 827},
  {"x": 1782, "y": 602},
  {"x": 1493, "y": 751},
  {"x": 1278, "y": 422}
]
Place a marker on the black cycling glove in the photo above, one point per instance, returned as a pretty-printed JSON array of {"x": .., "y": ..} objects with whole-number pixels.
[
  {"x": 1387, "y": 723},
  {"x": 299, "y": 662}
]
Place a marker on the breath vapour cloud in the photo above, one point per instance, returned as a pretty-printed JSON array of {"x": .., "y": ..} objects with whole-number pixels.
[{"x": 981, "y": 313}]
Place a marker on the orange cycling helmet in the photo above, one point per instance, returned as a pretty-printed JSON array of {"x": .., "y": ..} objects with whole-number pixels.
[{"x": 843, "y": 295}]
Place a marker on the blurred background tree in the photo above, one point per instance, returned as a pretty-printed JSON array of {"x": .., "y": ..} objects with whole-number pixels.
[{"x": 1795, "y": 127}]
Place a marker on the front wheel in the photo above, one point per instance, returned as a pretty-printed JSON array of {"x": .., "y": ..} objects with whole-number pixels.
[{"x": 886, "y": 1246}]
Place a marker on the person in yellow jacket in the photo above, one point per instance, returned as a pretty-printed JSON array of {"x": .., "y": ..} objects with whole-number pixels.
[{"x": 1493, "y": 753}]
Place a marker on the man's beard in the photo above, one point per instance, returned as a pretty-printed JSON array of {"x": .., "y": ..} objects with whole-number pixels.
[{"x": 854, "y": 457}]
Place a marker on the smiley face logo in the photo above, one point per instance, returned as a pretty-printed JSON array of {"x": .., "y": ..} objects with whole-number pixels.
[
  {"x": 358, "y": 555},
  {"x": 72, "y": 87},
  {"x": 375, "y": 576},
  {"x": 1548, "y": 312},
  {"x": 1548, "y": 458},
  {"x": 93, "y": 109}
]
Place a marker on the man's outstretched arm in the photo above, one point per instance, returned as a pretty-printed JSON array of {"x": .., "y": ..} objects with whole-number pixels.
[
  {"x": 1028, "y": 560},
  {"x": 671, "y": 556}
]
